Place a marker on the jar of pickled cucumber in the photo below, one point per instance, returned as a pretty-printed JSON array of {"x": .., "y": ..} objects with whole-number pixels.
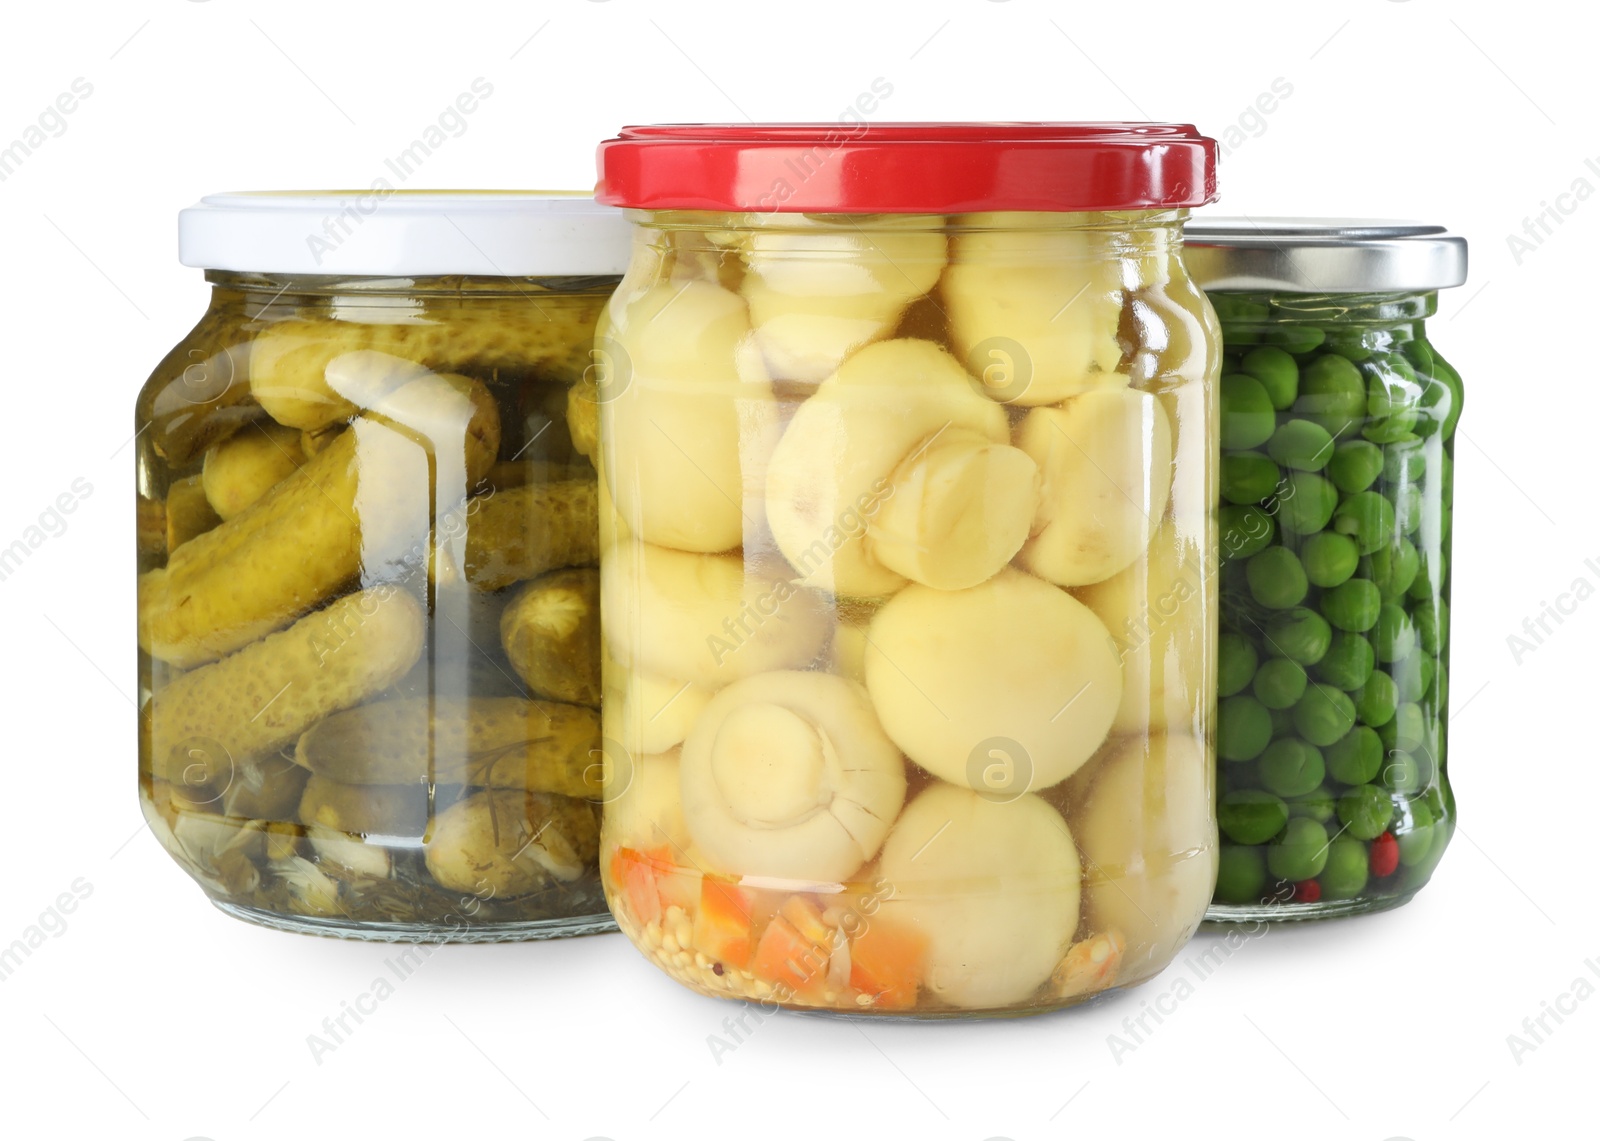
[
  {"x": 367, "y": 536},
  {"x": 907, "y": 437},
  {"x": 1338, "y": 437}
]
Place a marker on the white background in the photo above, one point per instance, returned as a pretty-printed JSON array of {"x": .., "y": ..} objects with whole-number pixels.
[{"x": 153, "y": 1016}]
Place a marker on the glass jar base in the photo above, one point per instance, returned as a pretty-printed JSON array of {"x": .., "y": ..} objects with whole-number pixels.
[
  {"x": 1219, "y": 916},
  {"x": 511, "y": 931}
]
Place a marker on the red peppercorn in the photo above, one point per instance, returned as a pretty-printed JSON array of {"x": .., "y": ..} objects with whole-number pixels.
[
  {"x": 1307, "y": 891},
  {"x": 1385, "y": 857}
]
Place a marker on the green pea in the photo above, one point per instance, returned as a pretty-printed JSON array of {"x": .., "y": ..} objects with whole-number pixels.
[
  {"x": 1279, "y": 683},
  {"x": 1412, "y": 675},
  {"x": 1348, "y": 662},
  {"x": 1355, "y": 758},
  {"x": 1352, "y": 344},
  {"x": 1241, "y": 874},
  {"x": 1365, "y": 811},
  {"x": 1299, "y": 634},
  {"x": 1431, "y": 623},
  {"x": 1354, "y": 465},
  {"x": 1407, "y": 731},
  {"x": 1352, "y": 605},
  {"x": 1441, "y": 685},
  {"x": 1447, "y": 475},
  {"x": 1247, "y": 413},
  {"x": 1276, "y": 578},
  {"x": 1333, "y": 393},
  {"x": 1416, "y": 841},
  {"x": 1248, "y": 477},
  {"x": 1430, "y": 572},
  {"x": 1236, "y": 664},
  {"x": 1366, "y": 517},
  {"x": 1393, "y": 636},
  {"x": 1407, "y": 500},
  {"x": 1328, "y": 558},
  {"x": 1377, "y": 699},
  {"x": 1301, "y": 445},
  {"x": 1250, "y": 816},
  {"x": 1305, "y": 503},
  {"x": 1345, "y": 873},
  {"x": 1404, "y": 461},
  {"x": 1317, "y": 804},
  {"x": 1276, "y": 371},
  {"x": 1300, "y": 852},
  {"x": 1244, "y": 531},
  {"x": 1323, "y": 714},
  {"x": 1452, "y": 380},
  {"x": 1402, "y": 773},
  {"x": 1243, "y": 728},
  {"x": 1242, "y": 309},
  {"x": 1393, "y": 567},
  {"x": 1291, "y": 768},
  {"x": 1295, "y": 339},
  {"x": 1393, "y": 399}
]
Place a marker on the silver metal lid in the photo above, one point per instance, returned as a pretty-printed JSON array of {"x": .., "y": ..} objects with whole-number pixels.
[{"x": 1322, "y": 255}]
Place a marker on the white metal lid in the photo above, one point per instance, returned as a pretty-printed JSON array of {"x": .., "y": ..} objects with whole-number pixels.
[
  {"x": 405, "y": 233},
  {"x": 1322, "y": 255}
]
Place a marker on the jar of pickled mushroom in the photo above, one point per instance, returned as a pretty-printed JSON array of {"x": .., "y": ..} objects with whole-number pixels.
[
  {"x": 907, "y": 437},
  {"x": 368, "y": 599},
  {"x": 1338, "y": 437}
]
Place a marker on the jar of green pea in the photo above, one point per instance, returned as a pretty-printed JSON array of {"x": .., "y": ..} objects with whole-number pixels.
[{"x": 1337, "y": 428}]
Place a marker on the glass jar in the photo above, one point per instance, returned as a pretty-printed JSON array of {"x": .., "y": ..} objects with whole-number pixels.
[
  {"x": 368, "y": 604},
  {"x": 906, "y": 493},
  {"x": 1338, "y": 438}
]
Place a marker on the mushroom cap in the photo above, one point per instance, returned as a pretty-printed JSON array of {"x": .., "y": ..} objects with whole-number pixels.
[
  {"x": 1160, "y": 610},
  {"x": 788, "y": 774},
  {"x": 705, "y": 619},
  {"x": 993, "y": 885},
  {"x": 1013, "y": 661},
  {"x": 1106, "y": 459},
  {"x": 645, "y": 810},
  {"x": 1148, "y": 836},
  {"x": 693, "y": 415},
  {"x": 819, "y": 290},
  {"x": 834, "y": 465},
  {"x": 1048, "y": 297}
]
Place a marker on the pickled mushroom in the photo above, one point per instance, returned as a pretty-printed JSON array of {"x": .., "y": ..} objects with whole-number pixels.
[
  {"x": 1014, "y": 660},
  {"x": 657, "y": 714},
  {"x": 1049, "y": 300},
  {"x": 992, "y": 884},
  {"x": 896, "y": 466},
  {"x": 643, "y": 807},
  {"x": 818, "y": 290},
  {"x": 789, "y": 774},
  {"x": 703, "y": 619},
  {"x": 1106, "y": 457},
  {"x": 1155, "y": 610},
  {"x": 1148, "y": 843},
  {"x": 693, "y": 400}
]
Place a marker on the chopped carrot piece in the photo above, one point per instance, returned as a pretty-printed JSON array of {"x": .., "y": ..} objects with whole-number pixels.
[
  {"x": 886, "y": 962},
  {"x": 637, "y": 875},
  {"x": 807, "y": 920},
  {"x": 722, "y": 924},
  {"x": 788, "y": 958}
]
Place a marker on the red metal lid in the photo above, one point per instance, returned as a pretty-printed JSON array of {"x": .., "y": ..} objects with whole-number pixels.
[{"x": 911, "y": 168}]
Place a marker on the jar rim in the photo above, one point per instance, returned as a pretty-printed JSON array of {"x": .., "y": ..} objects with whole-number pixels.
[
  {"x": 1323, "y": 255},
  {"x": 852, "y": 166},
  {"x": 384, "y": 231}
]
